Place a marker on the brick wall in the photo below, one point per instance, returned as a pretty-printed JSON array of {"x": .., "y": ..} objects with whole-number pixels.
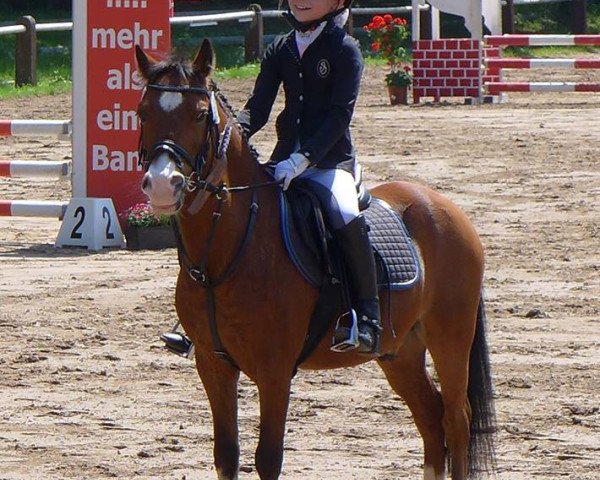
[{"x": 449, "y": 68}]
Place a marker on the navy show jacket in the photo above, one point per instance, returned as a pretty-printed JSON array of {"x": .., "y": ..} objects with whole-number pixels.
[{"x": 320, "y": 88}]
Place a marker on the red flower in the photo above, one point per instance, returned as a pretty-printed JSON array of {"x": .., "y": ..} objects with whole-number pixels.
[
  {"x": 389, "y": 39},
  {"x": 378, "y": 21}
]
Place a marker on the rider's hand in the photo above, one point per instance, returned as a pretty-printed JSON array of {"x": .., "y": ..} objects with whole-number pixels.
[{"x": 289, "y": 169}]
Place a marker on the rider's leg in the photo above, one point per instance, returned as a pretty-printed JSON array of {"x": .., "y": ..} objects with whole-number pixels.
[
  {"x": 336, "y": 190},
  {"x": 353, "y": 240}
]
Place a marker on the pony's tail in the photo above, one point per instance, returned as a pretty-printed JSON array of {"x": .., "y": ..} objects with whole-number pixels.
[{"x": 482, "y": 455}]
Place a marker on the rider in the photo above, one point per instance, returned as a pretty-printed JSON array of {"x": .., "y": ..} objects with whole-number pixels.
[{"x": 320, "y": 67}]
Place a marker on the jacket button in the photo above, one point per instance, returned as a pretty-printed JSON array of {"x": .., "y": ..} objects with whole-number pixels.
[
  {"x": 301, "y": 97},
  {"x": 298, "y": 121},
  {"x": 300, "y": 75}
]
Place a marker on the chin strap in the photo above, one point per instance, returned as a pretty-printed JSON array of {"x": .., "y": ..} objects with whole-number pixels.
[{"x": 305, "y": 27}]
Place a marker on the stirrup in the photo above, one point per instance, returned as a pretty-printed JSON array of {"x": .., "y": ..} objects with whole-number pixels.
[{"x": 345, "y": 337}]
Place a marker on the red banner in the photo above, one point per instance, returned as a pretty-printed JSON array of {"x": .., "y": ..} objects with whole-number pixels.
[{"x": 114, "y": 28}]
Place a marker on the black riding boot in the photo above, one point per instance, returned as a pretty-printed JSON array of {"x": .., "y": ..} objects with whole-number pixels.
[
  {"x": 353, "y": 241},
  {"x": 178, "y": 343}
]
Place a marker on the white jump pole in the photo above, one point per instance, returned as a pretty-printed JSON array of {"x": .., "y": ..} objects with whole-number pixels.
[
  {"x": 10, "y": 128},
  {"x": 32, "y": 208},
  {"x": 35, "y": 168}
]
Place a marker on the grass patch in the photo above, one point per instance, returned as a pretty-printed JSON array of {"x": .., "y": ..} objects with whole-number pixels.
[
  {"x": 45, "y": 86},
  {"x": 238, "y": 73},
  {"x": 375, "y": 61},
  {"x": 57, "y": 79},
  {"x": 54, "y": 66}
]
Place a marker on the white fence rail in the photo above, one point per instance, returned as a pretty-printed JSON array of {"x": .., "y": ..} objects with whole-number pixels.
[{"x": 254, "y": 39}]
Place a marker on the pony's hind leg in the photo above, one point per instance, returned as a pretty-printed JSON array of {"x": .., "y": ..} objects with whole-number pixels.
[
  {"x": 220, "y": 382},
  {"x": 450, "y": 349},
  {"x": 407, "y": 375}
]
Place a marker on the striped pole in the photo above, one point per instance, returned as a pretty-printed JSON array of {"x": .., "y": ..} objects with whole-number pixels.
[
  {"x": 34, "y": 127},
  {"x": 530, "y": 63},
  {"x": 35, "y": 168},
  {"x": 32, "y": 208},
  {"x": 541, "y": 40},
  {"x": 494, "y": 88}
]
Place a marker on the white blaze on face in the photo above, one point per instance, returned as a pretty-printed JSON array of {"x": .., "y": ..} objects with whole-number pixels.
[
  {"x": 162, "y": 167},
  {"x": 169, "y": 101},
  {"x": 161, "y": 172}
]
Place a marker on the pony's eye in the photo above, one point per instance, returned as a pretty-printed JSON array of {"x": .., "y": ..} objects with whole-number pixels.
[{"x": 202, "y": 115}]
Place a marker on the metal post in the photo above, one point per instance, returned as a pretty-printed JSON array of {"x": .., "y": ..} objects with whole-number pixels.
[
  {"x": 435, "y": 22},
  {"x": 26, "y": 53},
  {"x": 508, "y": 17},
  {"x": 415, "y": 23},
  {"x": 254, "y": 43},
  {"x": 426, "y": 21}
]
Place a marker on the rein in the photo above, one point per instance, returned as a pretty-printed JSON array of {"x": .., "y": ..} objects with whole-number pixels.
[{"x": 210, "y": 186}]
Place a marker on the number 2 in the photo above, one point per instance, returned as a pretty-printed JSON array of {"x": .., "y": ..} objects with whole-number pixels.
[
  {"x": 74, "y": 232},
  {"x": 106, "y": 214}
]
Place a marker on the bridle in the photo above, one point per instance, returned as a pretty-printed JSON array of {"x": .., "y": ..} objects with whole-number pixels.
[{"x": 211, "y": 184}]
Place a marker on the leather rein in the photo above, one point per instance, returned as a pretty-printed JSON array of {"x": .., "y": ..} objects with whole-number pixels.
[{"x": 210, "y": 186}]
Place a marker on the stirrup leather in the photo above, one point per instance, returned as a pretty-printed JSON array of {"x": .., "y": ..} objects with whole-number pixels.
[{"x": 345, "y": 337}]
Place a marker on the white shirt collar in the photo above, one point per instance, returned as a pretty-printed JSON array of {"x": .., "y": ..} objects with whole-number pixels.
[{"x": 304, "y": 39}]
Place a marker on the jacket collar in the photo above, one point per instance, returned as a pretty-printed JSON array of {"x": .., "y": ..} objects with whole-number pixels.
[{"x": 305, "y": 27}]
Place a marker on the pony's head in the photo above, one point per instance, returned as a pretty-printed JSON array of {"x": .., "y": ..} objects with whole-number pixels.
[{"x": 179, "y": 117}]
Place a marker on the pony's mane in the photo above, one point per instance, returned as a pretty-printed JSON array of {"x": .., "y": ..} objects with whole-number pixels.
[
  {"x": 182, "y": 67},
  {"x": 184, "y": 70},
  {"x": 233, "y": 114}
]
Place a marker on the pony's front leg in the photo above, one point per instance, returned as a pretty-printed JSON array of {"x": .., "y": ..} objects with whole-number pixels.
[
  {"x": 220, "y": 382},
  {"x": 274, "y": 399}
]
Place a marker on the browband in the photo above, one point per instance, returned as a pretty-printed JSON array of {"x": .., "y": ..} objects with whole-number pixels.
[{"x": 179, "y": 89}]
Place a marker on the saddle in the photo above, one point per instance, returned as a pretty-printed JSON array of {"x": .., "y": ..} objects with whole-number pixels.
[{"x": 310, "y": 245}]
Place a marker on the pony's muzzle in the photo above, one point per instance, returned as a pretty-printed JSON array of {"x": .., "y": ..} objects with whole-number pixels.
[{"x": 164, "y": 191}]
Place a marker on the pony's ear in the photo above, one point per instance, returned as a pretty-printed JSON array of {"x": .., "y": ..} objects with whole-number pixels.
[
  {"x": 144, "y": 61},
  {"x": 204, "y": 63}
]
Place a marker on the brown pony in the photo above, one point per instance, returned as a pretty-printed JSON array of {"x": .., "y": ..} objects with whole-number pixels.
[{"x": 247, "y": 308}]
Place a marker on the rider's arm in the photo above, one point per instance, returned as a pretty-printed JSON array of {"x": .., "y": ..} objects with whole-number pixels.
[{"x": 255, "y": 113}]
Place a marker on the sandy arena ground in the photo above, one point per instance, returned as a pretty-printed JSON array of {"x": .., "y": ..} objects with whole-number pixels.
[{"x": 87, "y": 392}]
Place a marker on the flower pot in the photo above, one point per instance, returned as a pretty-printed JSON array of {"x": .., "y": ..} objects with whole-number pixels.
[
  {"x": 398, "y": 95},
  {"x": 150, "y": 238}
]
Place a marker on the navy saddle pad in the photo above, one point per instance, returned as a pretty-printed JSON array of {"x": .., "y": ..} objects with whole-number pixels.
[{"x": 398, "y": 265}]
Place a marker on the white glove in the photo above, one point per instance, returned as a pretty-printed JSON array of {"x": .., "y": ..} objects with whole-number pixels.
[{"x": 289, "y": 169}]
